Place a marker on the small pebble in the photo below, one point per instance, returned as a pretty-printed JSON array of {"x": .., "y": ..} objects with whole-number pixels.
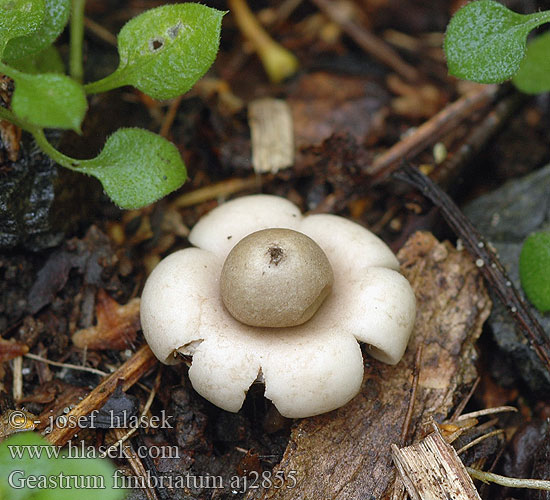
[{"x": 480, "y": 263}]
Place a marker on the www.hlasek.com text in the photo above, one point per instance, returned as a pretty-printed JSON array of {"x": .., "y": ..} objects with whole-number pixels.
[{"x": 83, "y": 450}]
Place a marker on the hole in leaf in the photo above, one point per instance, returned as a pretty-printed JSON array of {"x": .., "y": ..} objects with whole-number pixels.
[{"x": 155, "y": 44}]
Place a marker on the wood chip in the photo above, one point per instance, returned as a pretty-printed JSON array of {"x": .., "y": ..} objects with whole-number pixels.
[
  {"x": 347, "y": 453},
  {"x": 431, "y": 470},
  {"x": 270, "y": 122}
]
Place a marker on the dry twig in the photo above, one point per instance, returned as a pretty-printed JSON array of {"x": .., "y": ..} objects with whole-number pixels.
[
  {"x": 484, "y": 412},
  {"x": 125, "y": 436},
  {"x": 219, "y": 190},
  {"x": 99, "y": 31},
  {"x": 449, "y": 170},
  {"x": 170, "y": 116},
  {"x": 485, "y": 259},
  {"x": 430, "y": 132},
  {"x": 414, "y": 387},
  {"x": 130, "y": 372},
  {"x": 510, "y": 482},
  {"x": 478, "y": 440},
  {"x": 66, "y": 365},
  {"x": 367, "y": 41}
]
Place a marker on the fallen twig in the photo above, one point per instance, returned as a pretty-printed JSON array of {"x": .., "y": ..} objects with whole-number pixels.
[
  {"x": 135, "y": 463},
  {"x": 100, "y": 32},
  {"x": 414, "y": 387},
  {"x": 446, "y": 173},
  {"x": 170, "y": 116},
  {"x": 122, "y": 437},
  {"x": 485, "y": 259},
  {"x": 367, "y": 41},
  {"x": 479, "y": 439},
  {"x": 430, "y": 132},
  {"x": 130, "y": 372},
  {"x": 220, "y": 189},
  {"x": 510, "y": 482},
  {"x": 460, "y": 407},
  {"x": 484, "y": 412},
  {"x": 66, "y": 365}
]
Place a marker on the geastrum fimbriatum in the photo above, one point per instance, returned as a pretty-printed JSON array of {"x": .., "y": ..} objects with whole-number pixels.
[{"x": 268, "y": 294}]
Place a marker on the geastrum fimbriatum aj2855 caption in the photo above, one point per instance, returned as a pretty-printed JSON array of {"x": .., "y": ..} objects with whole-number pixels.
[{"x": 268, "y": 294}]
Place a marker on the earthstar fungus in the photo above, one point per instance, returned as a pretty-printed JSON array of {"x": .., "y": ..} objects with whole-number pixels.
[
  {"x": 272, "y": 295},
  {"x": 275, "y": 278}
]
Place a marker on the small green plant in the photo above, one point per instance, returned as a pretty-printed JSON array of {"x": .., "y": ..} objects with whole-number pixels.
[
  {"x": 163, "y": 52},
  {"x": 487, "y": 43},
  {"x": 31, "y": 468},
  {"x": 534, "y": 270}
]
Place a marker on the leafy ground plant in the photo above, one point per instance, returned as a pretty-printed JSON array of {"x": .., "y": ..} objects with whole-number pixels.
[
  {"x": 487, "y": 43},
  {"x": 31, "y": 468},
  {"x": 534, "y": 269},
  {"x": 163, "y": 52}
]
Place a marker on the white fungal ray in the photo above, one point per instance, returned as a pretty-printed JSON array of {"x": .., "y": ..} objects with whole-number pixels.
[
  {"x": 222, "y": 228},
  {"x": 307, "y": 369}
]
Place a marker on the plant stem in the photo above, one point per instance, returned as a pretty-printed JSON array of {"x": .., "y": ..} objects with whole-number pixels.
[
  {"x": 6, "y": 114},
  {"x": 77, "y": 38},
  {"x": 41, "y": 141},
  {"x": 54, "y": 154},
  {"x": 110, "y": 82}
]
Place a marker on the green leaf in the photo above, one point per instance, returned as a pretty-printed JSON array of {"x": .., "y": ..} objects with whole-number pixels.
[
  {"x": 165, "y": 50},
  {"x": 47, "y": 61},
  {"x": 137, "y": 167},
  {"x": 46, "y": 474},
  {"x": 55, "y": 20},
  {"x": 534, "y": 270},
  {"x": 533, "y": 76},
  {"x": 49, "y": 100},
  {"x": 485, "y": 42},
  {"x": 19, "y": 18}
]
